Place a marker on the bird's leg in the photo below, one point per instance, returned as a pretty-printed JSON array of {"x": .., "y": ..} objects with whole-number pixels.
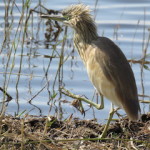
[
  {"x": 112, "y": 111},
  {"x": 101, "y": 105}
]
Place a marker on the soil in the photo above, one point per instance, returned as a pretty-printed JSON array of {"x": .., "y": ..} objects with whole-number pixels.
[{"x": 48, "y": 133}]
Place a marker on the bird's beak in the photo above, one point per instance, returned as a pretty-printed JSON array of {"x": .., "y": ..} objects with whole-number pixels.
[{"x": 54, "y": 17}]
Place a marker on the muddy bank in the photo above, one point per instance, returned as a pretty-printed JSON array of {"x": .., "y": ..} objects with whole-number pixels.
[{"x": 48, "y": 133}]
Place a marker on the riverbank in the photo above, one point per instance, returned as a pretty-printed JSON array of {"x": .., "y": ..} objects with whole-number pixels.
[{"x": 48, "y": 133}]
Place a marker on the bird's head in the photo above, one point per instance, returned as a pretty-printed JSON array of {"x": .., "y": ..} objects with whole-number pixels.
[
  {"x": 75, "y": 16},
  {"x": 79, "y": 18}
]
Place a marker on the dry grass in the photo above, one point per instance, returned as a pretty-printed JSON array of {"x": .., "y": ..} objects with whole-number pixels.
[{"x": 48, "y": 133}]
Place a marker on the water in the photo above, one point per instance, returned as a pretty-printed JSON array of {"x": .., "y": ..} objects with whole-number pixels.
[{"x": 34, "y": 74}]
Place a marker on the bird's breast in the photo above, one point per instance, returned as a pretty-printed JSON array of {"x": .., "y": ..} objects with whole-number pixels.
[
  {"x": 96, "y": 73},
  {"x": 99, "y": 80}
]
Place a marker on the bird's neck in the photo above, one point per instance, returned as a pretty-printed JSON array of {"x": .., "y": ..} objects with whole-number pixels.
[
  {"x": 86, "y": 34},
  {"x": 82, "y": 39}
]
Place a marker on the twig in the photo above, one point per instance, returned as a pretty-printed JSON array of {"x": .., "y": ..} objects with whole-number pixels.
[
  {"x": 34, "y": 138},
  {"x": 97, "y": 106},
  {"x": 141, "y": 95},
  {"x": 38, "y": 92},
  {"x": 23, "y": 74},
  {"x": 132, "y": 144},
  {"x": 9, "y": 98},
  {"x": 144, "y": 101},
  {"x": 68, "y": 93},
  {"x": 139, "y": 61}
]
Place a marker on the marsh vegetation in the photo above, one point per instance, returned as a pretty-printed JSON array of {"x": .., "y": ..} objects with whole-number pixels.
[{"x": 38, "y": 61}]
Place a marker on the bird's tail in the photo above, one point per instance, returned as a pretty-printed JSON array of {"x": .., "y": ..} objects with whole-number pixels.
[{"x": 133, "y": 110}]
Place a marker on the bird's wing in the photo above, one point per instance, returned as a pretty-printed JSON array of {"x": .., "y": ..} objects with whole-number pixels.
[{"x": 118, "y": 71}]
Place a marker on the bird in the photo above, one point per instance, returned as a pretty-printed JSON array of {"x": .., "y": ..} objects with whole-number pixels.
[{"x": 106, "y": 65}]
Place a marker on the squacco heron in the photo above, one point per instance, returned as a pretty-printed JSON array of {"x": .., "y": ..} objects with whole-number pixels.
[{"x": 107, "y": 67}]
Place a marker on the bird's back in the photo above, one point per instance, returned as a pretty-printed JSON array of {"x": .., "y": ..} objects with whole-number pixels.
[{"x": 112, "y": 75}]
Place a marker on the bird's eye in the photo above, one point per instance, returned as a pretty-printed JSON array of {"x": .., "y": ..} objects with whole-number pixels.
[
  {"x": 63, "y": 13},
  {"x": 67, "y": 17}
]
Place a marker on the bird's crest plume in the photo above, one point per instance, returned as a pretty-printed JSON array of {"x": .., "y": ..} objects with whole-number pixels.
[{"x": 78, "y": 9}]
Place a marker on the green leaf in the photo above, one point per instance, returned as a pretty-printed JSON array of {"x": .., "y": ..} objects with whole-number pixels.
[{"x": 146, "y": 67}]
